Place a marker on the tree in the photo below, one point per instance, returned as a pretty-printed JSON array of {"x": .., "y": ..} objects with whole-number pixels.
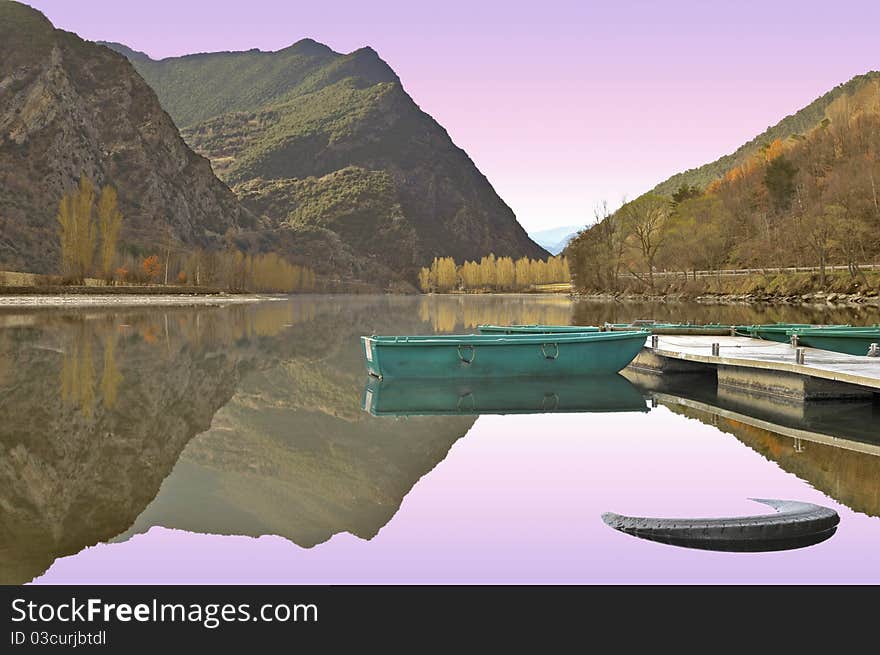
[
  {"x": 85, "y": 228},
  {"x": 443, "y": 273},
  {"x": 644, "y": 219},
  {"x": 818, "y": 229},
  {"x": 522, "y": 273},
  {"x": 505, "y": 273},
  {"x": 151, "y": 267},
  {"x": 67, "y": 233},
  {"x": 488, "y": 277},
  {"x": 697, "y": 234},
  {"x": 849, "y": 235},
  {"x": 686, "y": 192},
  {"x": 109, "y": 223},
  {"x": 779, "y": 180},
  {"x": 425, "y": 279},
  {"x": 77, "y": 231}
]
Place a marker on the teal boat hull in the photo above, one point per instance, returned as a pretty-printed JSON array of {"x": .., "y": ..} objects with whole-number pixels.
[
  {"x": 498, "y": 356},
  {"x": 536, "y": 329},
  {"x": 612, "y": 393},
  {"x": 780, "y": 332},
  {"x": 709, "y": 329},
  {"x": 849, "y": 342}
]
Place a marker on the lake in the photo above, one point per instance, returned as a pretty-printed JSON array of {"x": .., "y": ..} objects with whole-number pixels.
[{"x": 231, "y": 444}]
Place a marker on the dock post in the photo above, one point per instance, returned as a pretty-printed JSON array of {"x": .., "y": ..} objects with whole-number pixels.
[
  {"x": 716, "y": 349},
  {"x": 874, "y": 350},
  {"x": 794, "y": 340},
  {"x": 655, "y": 341},
  {"x": 799, "y": 355}
]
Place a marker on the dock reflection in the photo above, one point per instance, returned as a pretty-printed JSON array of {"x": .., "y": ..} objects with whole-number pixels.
[{"x": 834, "y": 446}]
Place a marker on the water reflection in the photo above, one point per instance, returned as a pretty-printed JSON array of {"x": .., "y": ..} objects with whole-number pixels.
[
  {"x": 102, "y": 404},
  {"x": 84, "y": 446},
  {"x": 834, "y": 446},
  {"x": 248, "y": 420},
  {"x": 401, "y": 397}
]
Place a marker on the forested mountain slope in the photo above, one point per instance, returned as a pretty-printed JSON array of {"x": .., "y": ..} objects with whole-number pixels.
[
  {"x": 808, "y": 199},
  {"x": 311, "y": 139}
]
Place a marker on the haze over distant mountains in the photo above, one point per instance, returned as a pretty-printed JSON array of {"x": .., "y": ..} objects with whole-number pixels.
[
  {"x": 555, "y": 239},
  {"x": 328, "y": 147}
]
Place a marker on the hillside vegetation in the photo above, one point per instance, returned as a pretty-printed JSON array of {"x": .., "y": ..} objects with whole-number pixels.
[
  {"x": 806, "y": 193},
  {"x": 792, "y": 126},
  {"x": 310, "y": 139}
]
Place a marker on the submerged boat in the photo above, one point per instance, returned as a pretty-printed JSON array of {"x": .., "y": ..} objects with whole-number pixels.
[
  {"x": 536, "y": 329},
  {"x": 604, "y": 393},
  {"x": 795, "y": 524},
  {"x": 509, "y": 355},
  {"x": 848, "y": 340}
]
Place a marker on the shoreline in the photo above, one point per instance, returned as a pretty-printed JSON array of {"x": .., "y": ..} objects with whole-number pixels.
[
  {"x": 37, "y": 301},
  {"x": 814, "y": 299}
]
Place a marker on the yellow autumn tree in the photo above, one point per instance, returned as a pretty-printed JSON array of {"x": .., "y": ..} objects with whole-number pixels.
[
  {"x": 522, "y": 274},
  {"x": 67, "y": 233},
  {"x": 86, "y": 230},
  {"x": 425, "y": 279},
  {"x": 488, "y": 277},
  {"x": 109, "y": 223},
  {"x": 77, "y": 231},
  {"x": 505, "y": 274},
  {"x": 447, "y": 274}
]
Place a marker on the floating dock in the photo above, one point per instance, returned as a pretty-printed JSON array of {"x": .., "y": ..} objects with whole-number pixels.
[{"x": 764, "y": 367}]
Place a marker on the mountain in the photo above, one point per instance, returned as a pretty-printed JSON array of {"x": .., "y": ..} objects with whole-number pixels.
[
  {"x": 68, "y": 107},
  {"x": 793, "y": 126},
  {"x": 556, "y": 239},
  {"x": 314, "y": 140},
  {"x": 804, "y": 193}
]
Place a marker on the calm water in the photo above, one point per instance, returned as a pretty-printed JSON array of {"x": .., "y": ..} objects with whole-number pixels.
[{"x": 230, "y": 445}]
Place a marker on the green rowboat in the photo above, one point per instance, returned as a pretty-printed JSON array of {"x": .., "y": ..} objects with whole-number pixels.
[
  {"x": 604, "y": 393},
  {"x": 780, "y": 332},
  {"x": 848, "y": 340},
  {"x": 708, "y": 329},
  {"x": 498, "y": 356},
  {"x": 536, "y": 329}
]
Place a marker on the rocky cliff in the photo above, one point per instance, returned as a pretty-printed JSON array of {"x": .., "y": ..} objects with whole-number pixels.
[{"x": 68, "y": 107}]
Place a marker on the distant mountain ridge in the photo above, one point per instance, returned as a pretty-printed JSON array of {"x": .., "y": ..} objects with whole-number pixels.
[
  {"x": 555, "y": 239},
  {"x": 311, "y": 139}
]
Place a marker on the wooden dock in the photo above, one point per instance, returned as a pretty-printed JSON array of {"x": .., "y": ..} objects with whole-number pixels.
[{"x": 765, "y": 367}]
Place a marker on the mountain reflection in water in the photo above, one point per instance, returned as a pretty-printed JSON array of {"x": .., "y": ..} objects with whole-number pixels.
[{"x": 249, "y": 420}]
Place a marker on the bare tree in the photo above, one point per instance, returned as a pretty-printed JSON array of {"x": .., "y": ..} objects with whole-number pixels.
[{"x": 644, "y": 219}]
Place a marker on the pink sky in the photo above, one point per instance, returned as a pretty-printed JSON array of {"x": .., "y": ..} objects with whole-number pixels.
[{"x": 560, "y": 103}]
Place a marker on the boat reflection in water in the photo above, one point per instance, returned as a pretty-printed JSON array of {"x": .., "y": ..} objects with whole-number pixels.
[{"x": 420, "y": 397}]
